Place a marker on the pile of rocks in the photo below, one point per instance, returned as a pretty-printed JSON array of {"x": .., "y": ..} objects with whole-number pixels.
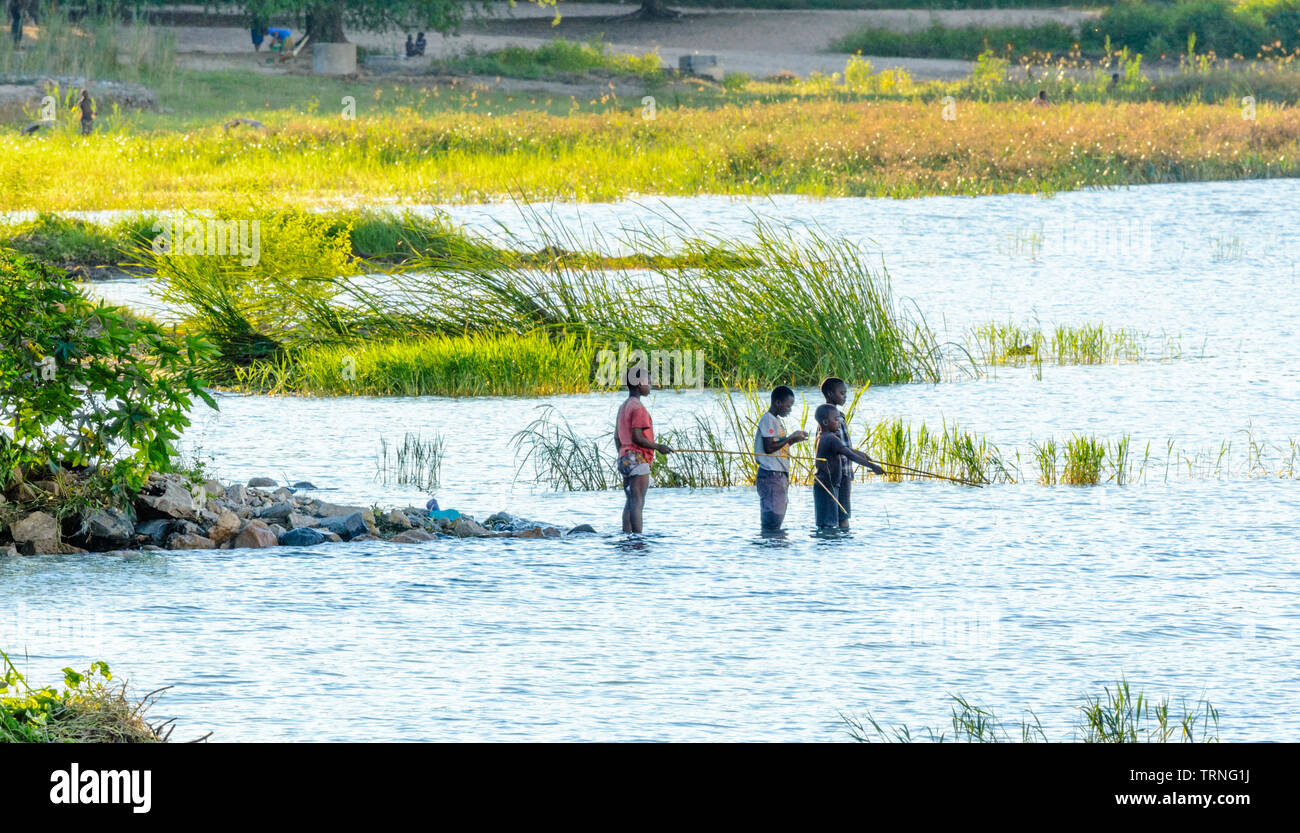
[{"x": 173, "y": 513}]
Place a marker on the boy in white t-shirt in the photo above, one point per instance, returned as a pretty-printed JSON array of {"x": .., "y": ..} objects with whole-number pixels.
[{"x": 771, "y": 450}]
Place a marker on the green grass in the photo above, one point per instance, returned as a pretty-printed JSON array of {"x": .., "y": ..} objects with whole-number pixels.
[
  {"x": 940, "y": 41},
  {"x": 1015, "y": 344},
  {"x": 1115, "y": 716},
  {"x": 950, "y": 452},
  {"x": 416, "y": 462},
  {"x": 557, "y": 57},
  {"x": 485, "y": 364}
]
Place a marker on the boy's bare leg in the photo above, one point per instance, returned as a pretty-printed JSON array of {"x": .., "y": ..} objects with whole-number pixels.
[{"x": 635, "y": 491}]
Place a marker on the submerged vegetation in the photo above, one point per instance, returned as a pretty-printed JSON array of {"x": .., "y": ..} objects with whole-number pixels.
[{"x": 1116, "y": 716}]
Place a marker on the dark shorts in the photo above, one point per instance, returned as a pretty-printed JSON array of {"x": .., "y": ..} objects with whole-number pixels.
[
  {"x": 773, "y": 497},
  {"x": 828, "y": 512}
]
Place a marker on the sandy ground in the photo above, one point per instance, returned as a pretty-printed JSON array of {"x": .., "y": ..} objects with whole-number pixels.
[{"x": 757, "y": 42}]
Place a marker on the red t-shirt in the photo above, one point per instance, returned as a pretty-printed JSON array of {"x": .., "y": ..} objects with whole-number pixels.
[{"x": 634, "y": 415}]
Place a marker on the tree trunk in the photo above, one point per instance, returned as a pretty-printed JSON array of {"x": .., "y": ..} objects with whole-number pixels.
[
  {"x": 656, "y": 10},
  {"x": 325, "y": 23}
]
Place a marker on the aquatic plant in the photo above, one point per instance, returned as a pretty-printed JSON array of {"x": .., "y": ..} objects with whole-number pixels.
[
  {"x": 87, "y": 710},
  {"x": 1015, "y": 344},
  {"x": 949, "y": 451},
  {"x": 1115, "y": 716},
  {"x": 416, "y": 462},
  {"x": 561, "y": 458}
]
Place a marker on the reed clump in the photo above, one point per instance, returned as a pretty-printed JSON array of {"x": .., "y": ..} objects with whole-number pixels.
[
  {"x": 416, "y": 462},
  {"x": 1116, "y": 715},
  {"x": 1016, "y": 344}
]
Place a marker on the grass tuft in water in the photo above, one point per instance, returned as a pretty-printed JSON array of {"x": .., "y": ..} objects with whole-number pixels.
[{"x": 416, "y": 462}]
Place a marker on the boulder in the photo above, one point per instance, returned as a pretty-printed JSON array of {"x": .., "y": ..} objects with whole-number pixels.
[
  {"x": 255, "y": 534},
  {"x": 189, "y": 541},
  {"x": 214, "y": 488},
  {"x": 538, "y": 532},
  {"x": 38, "y": 526},
  {"x": 166, "y": 496},
  {"x": 346, "y": 526},
  {"x": 282, "y": 494},
  {"x": 226, "y": 527},
  {"x": 237, "y": 494},
  {"x": 262, "y": 482},
  {"x": 398, "y": 519},
  {"x": 330, "y": 510},
  {"x": 107, "y": 528},
  {"x": 303, "y": 484},
  {"x": 154, "y": 532},
  {"x": 8, "y": 551},
  {"x": 334, "y": 538},
  {"x": 413, "y": 536},
  {"x": 464, "y": 527},
  {"x": 366, "y": 537},
  {"x": 302, "y": 537},
  {"x": 297, "y": 519},
  {"x": 581, "y": 529},
  {"x": 276, "y": 511}
]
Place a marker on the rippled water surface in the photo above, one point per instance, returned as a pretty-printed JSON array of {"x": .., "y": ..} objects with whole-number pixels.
[{"x": 1016, "y": 596}]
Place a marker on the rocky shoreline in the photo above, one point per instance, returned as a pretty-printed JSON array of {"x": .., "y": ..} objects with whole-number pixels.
[{"x": 173, "y": 513}]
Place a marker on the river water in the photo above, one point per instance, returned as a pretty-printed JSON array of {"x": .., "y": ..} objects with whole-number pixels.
[{"x": 1017, "y": 597}]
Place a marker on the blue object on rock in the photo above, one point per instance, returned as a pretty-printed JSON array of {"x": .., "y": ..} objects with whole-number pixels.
[
  {"x": 432, "y": 505},
  {"x": 444, "y": 514}
]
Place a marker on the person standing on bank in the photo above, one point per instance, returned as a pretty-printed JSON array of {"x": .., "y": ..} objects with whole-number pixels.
[
  {"x": 634, "y": 436},
  {"x": 771, "y": 449},
  {"x": 87, "y": 107}
]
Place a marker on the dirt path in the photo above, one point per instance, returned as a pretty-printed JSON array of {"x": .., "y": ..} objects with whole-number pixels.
[{"x": 757, "y": 42}]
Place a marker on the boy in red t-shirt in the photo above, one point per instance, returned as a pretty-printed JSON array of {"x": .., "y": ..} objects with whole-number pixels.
[{"x": 634, "y": 436}]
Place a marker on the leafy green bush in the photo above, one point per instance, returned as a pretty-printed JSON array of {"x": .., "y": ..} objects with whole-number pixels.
[
  {"x": 83, "y": 385},
  {"x": 87, "y": 710}
]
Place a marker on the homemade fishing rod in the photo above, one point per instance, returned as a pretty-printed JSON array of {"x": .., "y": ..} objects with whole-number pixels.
[{"x": 908, "y": 469}]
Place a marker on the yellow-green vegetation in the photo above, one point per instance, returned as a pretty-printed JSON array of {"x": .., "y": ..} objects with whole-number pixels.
[
  {"x": 1015, "y": 344},
  {"x": 464, "y": 322},
  {"x": 815, "y": 147},
  {"x": 1115, "y": 716},
  {"x": 949, "y": 451},
  {"x": 535, "y": 363},
  {"x": 557, "y": 57},
  {"x": 86, "y": 710}
]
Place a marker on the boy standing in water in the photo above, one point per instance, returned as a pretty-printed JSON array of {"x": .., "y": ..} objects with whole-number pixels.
[
  {"x": 833, "y": 453},
  {"x": 836, "y": 394},
  {"x": 634, "y": 436},
  {"x": 771, "y": 445}
]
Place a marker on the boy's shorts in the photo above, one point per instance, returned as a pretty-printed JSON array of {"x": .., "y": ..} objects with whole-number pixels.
[
  {"x": 773, "y": 497},
  {"x": 630, "y": 466}
]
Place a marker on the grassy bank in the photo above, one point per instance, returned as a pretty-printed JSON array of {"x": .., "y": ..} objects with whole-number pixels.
[{"x": 886, "y": 148}]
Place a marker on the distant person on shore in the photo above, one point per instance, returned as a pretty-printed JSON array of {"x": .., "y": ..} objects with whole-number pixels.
[
  {"x": 834, "y": 470},
  {"x": 771, "y": 449},
  {"x": 420, "y": 44},
  {"x": 410, "y": 46},
  {"x": 634, "y": 437},
  {"x": 16, "y": 21},
  {"x": 1114, "y": 83},
  {"x": 87, "y": 107},
  {"x": 1040, "y": 100},
  {"x": 279, "y": 37}
]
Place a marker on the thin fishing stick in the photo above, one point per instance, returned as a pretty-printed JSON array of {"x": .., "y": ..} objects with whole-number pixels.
[
  {"x": 819, "y": 482},
  {"x": 922, "y": 473}
]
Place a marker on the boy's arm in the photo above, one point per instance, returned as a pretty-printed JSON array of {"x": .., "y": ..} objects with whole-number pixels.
[
  {"x": 861, "y": 459},
  {"x": 774, "y": 444},
  {"x": 639, "y": 438}
]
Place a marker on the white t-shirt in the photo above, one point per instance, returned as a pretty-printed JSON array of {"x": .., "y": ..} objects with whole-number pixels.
[{"x": 771, "y": 427}]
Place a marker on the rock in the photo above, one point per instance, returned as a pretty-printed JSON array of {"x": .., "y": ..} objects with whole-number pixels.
[
  {"x": 346, "y": 526},
  {"x": 586, "y": 529},
  {"x": 397, "y": 519},
  {"x": 297, "y": 519},
  {"x": 189, "y": 541},
  {"x": 255, "y": 534},
  {"x": 334, "y": 538},
  {"x": 303, "y": 484},
  {"x": 154, "y": 532},
  {"x": 282, "y": 494},
  {"x": 464, "y": 527},
  {"x": 277, "y": 531},
  {"x": 205, "y": 518},
  {"x": 237, "y": 494},
  {"x": 107, "y": 528},
  {"x": 38, "y": 526},
  {"x": 413, "y": 536},
  {"x": 276, "y": 512},
  {"x": 366, "y": 537},
  {"x": 226, "y": 527},
  {"x": 330, "y": 510},
  {"x": 262, "y": 482},
  {"x": 164, "y": 496},
  {"x": 302, "y": 537},
  {"x": 50, "y": 487},
  {"x": 214, "y": 488},
  {"x": 538, "y": 532},
  {"x": 9, "y": 551},
  {"x": 150, "y": 548}
]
